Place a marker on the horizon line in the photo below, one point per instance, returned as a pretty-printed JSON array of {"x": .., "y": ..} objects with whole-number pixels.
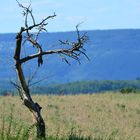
[{"x": 79, "y": 30}]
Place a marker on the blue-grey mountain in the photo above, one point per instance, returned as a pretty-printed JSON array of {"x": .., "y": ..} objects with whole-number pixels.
[{"x": 114, "y": 55}]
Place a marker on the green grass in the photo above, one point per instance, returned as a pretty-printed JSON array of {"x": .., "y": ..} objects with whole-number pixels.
[{"x": 81, "y": 117}]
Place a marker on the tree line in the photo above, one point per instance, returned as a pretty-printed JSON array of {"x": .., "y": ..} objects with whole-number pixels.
[{"x": 89, "y": 87}]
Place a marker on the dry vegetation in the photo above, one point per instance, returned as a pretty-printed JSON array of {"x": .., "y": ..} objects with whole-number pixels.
[{"x": 107, "y": 115}]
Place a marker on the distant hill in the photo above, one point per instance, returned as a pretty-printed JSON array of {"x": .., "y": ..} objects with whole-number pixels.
[{"x": 114, "y": 55}]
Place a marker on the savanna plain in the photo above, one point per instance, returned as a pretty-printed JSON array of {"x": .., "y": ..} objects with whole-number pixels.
[{"x": 104, "y": 116}]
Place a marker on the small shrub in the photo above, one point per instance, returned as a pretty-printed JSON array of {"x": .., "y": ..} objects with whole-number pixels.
[{"x": 127, "y": 90}]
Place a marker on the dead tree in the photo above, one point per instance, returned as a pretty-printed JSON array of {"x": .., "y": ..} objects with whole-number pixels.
[{"x": 25, "y": 34}]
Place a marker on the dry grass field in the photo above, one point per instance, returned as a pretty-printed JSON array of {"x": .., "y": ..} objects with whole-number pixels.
[{"x": 110, "y": 115}]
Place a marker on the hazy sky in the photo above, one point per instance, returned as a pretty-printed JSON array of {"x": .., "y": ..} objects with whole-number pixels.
[{"x": 96, "y": 14}]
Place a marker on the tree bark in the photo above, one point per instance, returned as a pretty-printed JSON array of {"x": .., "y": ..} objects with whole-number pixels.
[{"x": 35, "y": 108}]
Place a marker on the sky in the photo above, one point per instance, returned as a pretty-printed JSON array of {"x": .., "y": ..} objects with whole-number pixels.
[{"x": 94, "y": 14}]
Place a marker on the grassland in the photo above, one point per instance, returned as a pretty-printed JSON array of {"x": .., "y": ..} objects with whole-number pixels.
[{"x": 104, "y": 116}]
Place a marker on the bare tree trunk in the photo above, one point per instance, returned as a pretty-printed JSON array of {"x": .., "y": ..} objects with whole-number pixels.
[{"x": 35, "y": 108}]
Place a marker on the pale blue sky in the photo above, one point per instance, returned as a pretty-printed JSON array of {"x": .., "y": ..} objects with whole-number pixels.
[{"x": 96, "y": 14}]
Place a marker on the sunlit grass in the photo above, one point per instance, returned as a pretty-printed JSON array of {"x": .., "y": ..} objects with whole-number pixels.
[{"x": 105, "y": 116}]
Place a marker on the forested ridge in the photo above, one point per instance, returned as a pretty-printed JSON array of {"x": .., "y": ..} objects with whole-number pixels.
[
  {"x": 89, "y": 87},
  {"x": 83, "y": 87}
]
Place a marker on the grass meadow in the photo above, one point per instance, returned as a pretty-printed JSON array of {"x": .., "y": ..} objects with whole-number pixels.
[{"x": 108, "y": 116}]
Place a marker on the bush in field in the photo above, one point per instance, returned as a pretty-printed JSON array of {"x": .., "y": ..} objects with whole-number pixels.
[{"x": 127, "y": 90}]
